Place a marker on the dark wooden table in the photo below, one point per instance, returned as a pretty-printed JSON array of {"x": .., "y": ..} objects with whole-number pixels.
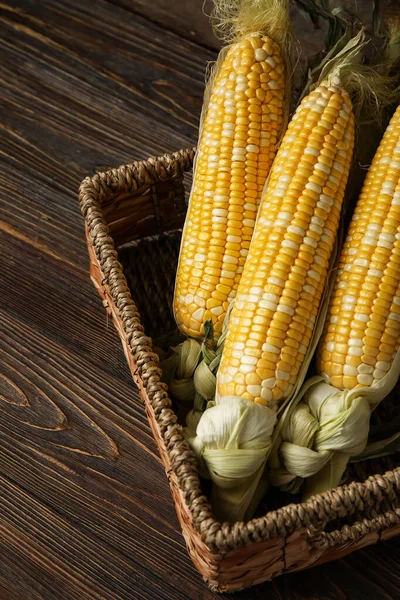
[{"x": 85, "y": 509}]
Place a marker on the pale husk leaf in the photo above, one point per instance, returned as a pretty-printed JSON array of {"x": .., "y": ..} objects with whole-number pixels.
[
  {"x": 338, "y": 422},
  {"x": 178, "y": 370},
  {"x": 231, "y": 444}
]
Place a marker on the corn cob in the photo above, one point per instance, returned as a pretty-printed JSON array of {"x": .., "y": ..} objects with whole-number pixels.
[
  {"x": 279, "y": 294},
  {"x": 358, "y": 353},
  {"x": 241, "y": 127},
  {"x": 362, "y": 333},
  {"x": 277, "y": 314}
]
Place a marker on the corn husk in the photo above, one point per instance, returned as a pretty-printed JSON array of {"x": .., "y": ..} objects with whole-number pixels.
[
  {"x": 386, "y": 23},
  {"x": 323, "y": 428},
  {"x": 319, "y": 424},
  {"x": 205, "y": 378},
  {"x": 232, "y": 440},
  {"x": 332, "y": 473},
  {"x": 178, "y": 371},
  {"x": 205, "y": 375}
]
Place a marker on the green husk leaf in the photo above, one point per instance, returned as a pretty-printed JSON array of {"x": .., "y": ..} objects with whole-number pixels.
[
  {"x": 329, "y": 477},
  {"x": 178, "y": 371},
  {"x": 338, "y": 48},
  {"x": 205, "y": 375},
  {"x": 169, "y": 367},
  {"x": 310, "y": 8},
  {"x": 320, "y": 421},
  {"x": 189, "y": 355},
  {"x": 376, "y": 18},
  {"x": 371, "y": 89},
  {"x": 205, "y": 381}
]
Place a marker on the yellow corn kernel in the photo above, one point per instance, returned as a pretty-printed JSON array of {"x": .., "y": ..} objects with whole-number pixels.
[
  {"x": 366, "y": 298},
  {"x": 233, "y": 160},
  {"x": 290, "y": 251}
]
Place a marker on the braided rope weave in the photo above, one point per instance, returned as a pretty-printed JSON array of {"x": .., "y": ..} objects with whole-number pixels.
[{"x": 377, "y": 497}]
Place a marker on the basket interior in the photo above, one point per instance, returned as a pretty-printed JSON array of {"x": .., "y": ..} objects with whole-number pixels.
[{"x": 149, "y": 265}]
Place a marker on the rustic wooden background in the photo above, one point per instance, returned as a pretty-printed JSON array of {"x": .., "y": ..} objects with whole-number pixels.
[{"x": 85, "y": 509}]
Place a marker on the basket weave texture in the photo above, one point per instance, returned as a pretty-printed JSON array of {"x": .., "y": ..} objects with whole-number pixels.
[{"x": 132, "y": 216}]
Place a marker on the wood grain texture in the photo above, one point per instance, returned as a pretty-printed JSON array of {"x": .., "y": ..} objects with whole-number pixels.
[
  {"x": 190, "y": 21},
  {"x": 85, "y": 509}
]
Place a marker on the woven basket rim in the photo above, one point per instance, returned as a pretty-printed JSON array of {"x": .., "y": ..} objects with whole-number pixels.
[{"x": 312, "y": 515}]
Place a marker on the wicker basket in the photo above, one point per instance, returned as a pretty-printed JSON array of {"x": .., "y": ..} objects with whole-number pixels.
[{"x": 133, "y": 215}]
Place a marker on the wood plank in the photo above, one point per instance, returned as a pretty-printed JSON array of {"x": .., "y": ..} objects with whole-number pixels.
[
  {"x": 66, "y": 111},
  {"x": 63, "y": 375},
  {"x": 77, "y": 455},
  {"x": 190, "y": 21}
]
